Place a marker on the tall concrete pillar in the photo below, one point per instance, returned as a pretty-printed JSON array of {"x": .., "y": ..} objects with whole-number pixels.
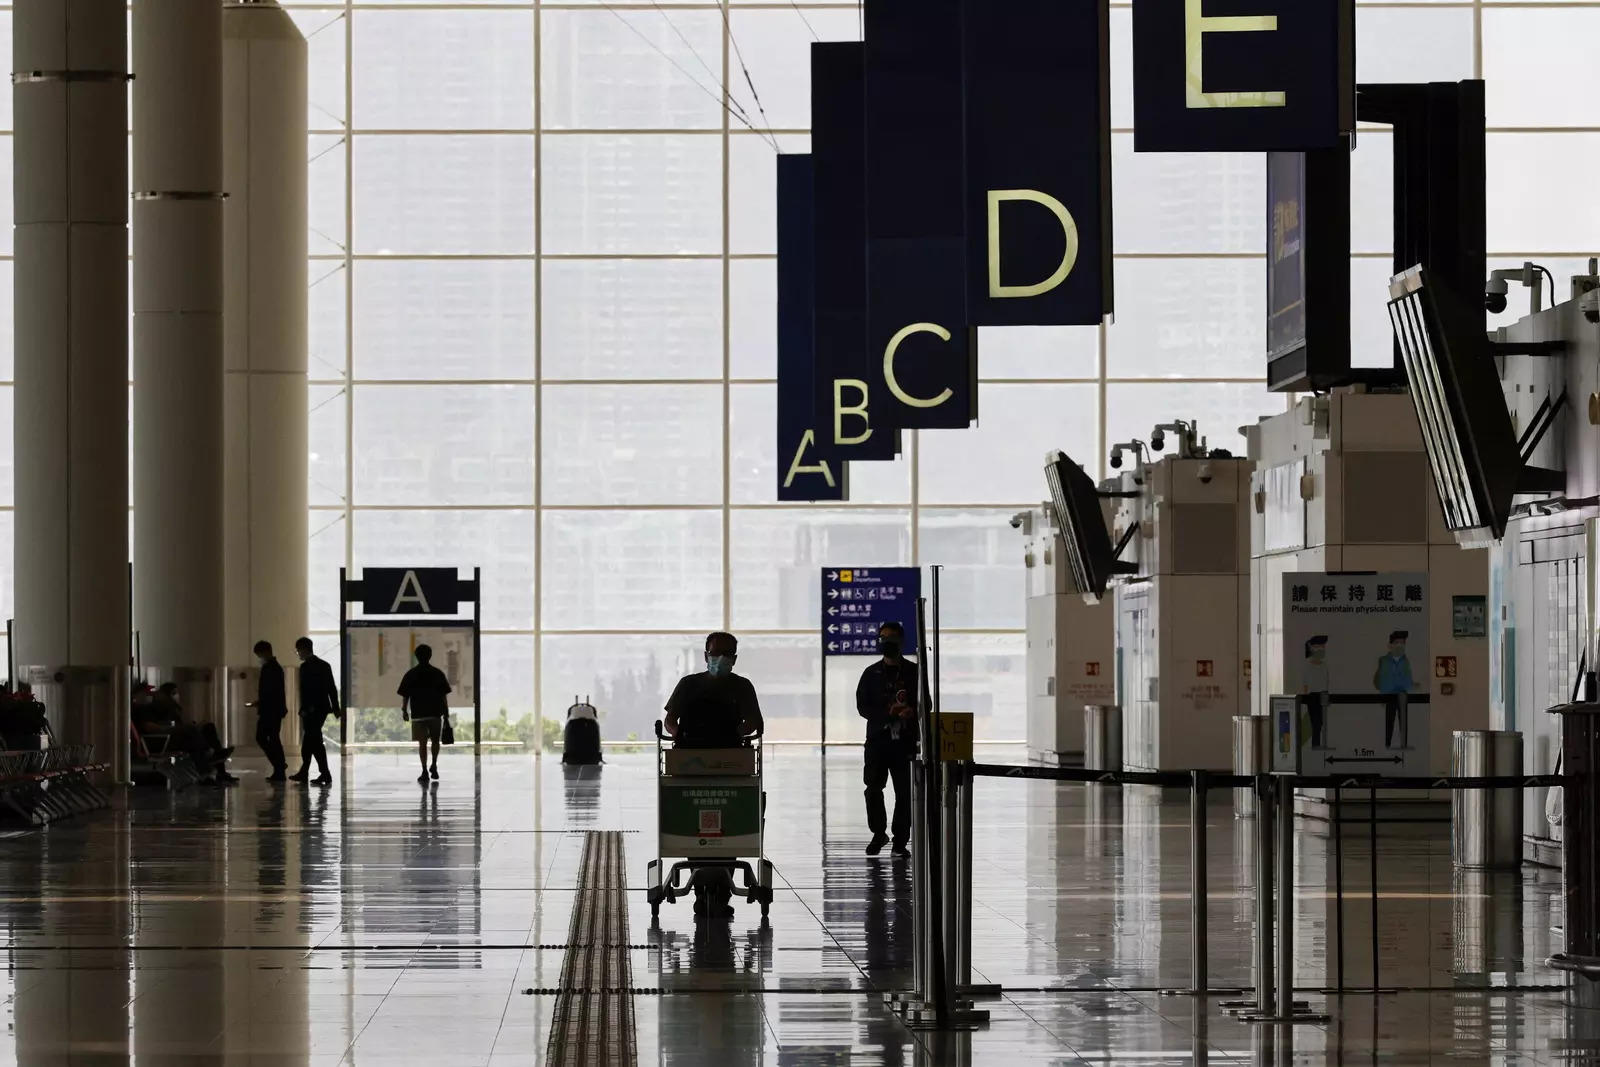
[
  {"x": 177, "y": 344},
  {"x": 265, "y": 340},
  {"x": 71, "y": 337}
]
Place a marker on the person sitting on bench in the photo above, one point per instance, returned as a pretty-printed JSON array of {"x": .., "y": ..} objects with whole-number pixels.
[{"x": 162, "y": 713}]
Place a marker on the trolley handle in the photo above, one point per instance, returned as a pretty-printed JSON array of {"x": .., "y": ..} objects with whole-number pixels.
[{"x": 760, "y": 730}]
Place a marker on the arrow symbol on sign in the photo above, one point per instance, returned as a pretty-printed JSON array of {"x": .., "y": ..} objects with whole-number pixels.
[
  {"x": 832, "y": 629},
  {"x": 833, "y": 594},
  {"x": 833, "y": 611},
  {"x": 833, "y": 576},
  {"x": 833, "y": 646}
]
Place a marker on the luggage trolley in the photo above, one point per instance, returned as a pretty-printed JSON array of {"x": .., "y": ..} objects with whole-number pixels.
[{"x": 709, "y": 810}]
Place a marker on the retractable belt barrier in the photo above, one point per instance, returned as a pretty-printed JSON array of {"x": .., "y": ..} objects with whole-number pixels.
[{"x": 942, "y": 900}]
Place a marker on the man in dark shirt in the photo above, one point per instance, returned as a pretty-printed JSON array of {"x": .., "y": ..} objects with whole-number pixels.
[
  {"x": 714, "y": 708},
  {"x": 319, "y": 698},
  {"x": 422, "y": 700},
  {"x": 272, "y": 707},
  {"x": 886, "y": 697}
]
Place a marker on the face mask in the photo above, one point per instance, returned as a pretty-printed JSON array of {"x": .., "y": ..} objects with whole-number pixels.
[
  {"x": 718, "y": 665},
  {"x": 889, "y": 647}
]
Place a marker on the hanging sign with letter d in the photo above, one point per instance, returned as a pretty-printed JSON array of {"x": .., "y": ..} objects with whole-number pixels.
[{"x": 1038, "y": 158}]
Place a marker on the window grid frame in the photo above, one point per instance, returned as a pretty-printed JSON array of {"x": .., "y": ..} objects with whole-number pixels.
[{"x": 913, "y": 509}]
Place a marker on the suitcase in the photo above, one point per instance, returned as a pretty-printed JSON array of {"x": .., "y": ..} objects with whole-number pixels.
[{"x": 580, "y": 739}]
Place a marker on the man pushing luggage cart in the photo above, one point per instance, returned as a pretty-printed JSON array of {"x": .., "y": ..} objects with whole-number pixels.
[{"x": 709, "y": 789}]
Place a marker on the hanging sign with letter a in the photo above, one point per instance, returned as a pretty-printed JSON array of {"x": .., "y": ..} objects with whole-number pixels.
[
  {"x": 923, "y": 355},
  {"x": 409, "y": 590},
  {"x": 1038, "y": 160},
  {"x": 802, "y": 473},
  {"x": 850, "y": 423},
  {"x": 1242, "y": 75}
]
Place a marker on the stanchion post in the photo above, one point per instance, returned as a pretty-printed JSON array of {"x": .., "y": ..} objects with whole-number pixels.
[
  {"x": 1285, "y": 891},
  {"x": 1265, "y": 990},
  {"x": 950, "y": 891},
  {"x": 1338, "y": 886},
  {"x": 1372, "y": 840},
  {"x": 919, "y": 884},
  {"x": 1198, "y": 947}
]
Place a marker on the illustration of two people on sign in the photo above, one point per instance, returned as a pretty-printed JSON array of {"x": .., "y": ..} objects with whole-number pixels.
[{"x": 1392, "y": 679}]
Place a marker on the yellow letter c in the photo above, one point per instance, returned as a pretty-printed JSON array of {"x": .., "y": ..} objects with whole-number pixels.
[{"x": 888, "y": 365}]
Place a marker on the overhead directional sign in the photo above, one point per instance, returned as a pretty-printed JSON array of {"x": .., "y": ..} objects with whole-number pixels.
[
  {"x": 858, "y": 600},
  {"x": 1242, "y": 75},
  {"x": 802, "y": 473},
  {"x": 923, "y": 365},
  {"x": 1035, "y": 77},
  {"x": 845, "y": 401}
]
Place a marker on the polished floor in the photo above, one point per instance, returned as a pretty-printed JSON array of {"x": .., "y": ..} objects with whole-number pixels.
[{"x": 383, "y": 922}]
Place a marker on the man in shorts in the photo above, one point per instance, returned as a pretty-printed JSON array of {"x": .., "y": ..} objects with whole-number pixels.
[{"x": 422, "y": 700}]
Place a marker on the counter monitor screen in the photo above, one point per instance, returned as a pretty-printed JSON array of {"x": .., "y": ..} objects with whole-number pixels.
[
  {"x": 1466, "y": 428},
  {"x": 1082, "y": 524}
]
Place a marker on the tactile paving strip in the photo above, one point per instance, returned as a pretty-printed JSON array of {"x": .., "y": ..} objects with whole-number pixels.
[{"x": 593, "y": 1021}]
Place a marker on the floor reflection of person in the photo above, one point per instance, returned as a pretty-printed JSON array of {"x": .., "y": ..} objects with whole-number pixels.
[{"x": 886, "y": 934}]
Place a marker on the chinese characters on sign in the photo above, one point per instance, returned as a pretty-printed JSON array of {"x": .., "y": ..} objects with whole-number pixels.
[{"x": 856, "y": 601}]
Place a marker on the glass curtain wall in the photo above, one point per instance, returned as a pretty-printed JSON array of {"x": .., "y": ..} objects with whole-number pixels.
[{"x": 543, "y": 315}]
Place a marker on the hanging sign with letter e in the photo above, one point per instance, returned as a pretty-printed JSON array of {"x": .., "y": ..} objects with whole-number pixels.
[
  {"x": 850, "y": 423},
  {"x": 1038, "y": 162},
  {"x": 923, "y": 357},
  {"x": 802, "y": 473},
  {"x": 1242, "y": 75}
]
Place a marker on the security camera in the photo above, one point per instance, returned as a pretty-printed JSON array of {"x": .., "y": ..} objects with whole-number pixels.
[
  {"x": 1494, "y": 295},
  {"x": 1019, "y": 520},
  {"x": 1116, "y": 459},
  {"x": 1158, "y": 440},
  {"x": 1204, "y": 473}
]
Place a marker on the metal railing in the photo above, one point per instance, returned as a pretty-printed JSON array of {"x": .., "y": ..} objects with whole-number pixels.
[{"x": 942, "y": 886}]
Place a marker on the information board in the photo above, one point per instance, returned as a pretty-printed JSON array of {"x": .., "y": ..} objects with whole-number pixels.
[
  {"x": 858, "y": 600},
  {"x": 1357, "y": 663},
  {"x": 381, "y": 654}
]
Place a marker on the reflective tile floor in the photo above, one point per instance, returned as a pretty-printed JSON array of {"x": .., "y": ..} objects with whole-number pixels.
[{"x": 382, "y": 922}]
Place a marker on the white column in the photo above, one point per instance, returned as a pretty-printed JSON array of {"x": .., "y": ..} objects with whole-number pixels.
[
  {"x": 177, "y": 336},
  {"x": 71, "y": 340},
  {"x": 265, "y": 334}
]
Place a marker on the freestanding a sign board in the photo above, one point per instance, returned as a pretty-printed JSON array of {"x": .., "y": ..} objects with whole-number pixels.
[
  {"x": 858, "y": 600},
  {"x": 412, "y": 605},
  {"x": 1356, "y": 660}
]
